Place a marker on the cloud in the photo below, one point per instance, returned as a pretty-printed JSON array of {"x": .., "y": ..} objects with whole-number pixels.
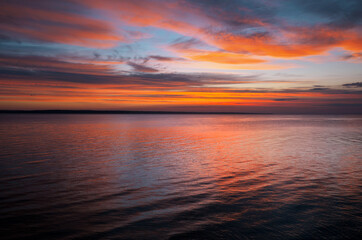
[
  {"x": 285, "y": 99},
  {"x": 186, "y": 43},
  {"x": 239, "y": 27},
  {"x": 223, "y": 57},
  {"x": 69, "y": 69},
  {"x": 356, "y": 105},
  {"x": 51, "y": 64},
  {"x": 106, "y": 88},
  {"x": 165, "y": 59},
  {"x": 141, "y": 68},
  {"x": 343, "y": 14},
  {"x": 319, "y": 89},
  {"x": 45, "y": 55},
  {"x": 357, "y": 56},
  {"x": 188, "y": 49},
  {"x": 93, "y": 71},
  {"x": 244, "y": 26},
  {"x": 353, "y": 85},
  {"x": 50, "y": 21}
]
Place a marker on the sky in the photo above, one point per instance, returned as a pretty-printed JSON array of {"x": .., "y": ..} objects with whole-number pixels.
[{"x": 262, "y": 56}]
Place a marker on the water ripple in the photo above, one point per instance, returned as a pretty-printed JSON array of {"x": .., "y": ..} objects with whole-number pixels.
[{"x": 180, "y": 177}]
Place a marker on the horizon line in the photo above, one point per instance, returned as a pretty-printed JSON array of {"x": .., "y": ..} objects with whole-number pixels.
[
  {"x": 51, "y": 111},
  {"x": 54, "y": 111}
]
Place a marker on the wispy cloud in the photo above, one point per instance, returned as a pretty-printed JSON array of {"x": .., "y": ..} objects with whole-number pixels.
[
  {"x": 141, "y": 68},
  {"x": 353, "y": 85}
]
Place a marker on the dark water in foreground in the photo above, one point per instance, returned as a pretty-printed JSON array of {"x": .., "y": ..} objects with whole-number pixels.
[{"x": 180, "y": 177}]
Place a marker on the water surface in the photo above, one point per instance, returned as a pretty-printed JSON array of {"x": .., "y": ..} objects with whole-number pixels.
[{"x": 180, "y": 177}]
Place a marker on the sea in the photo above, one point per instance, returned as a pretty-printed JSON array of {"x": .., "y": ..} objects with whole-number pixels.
[{"x": 180, "y": 176}]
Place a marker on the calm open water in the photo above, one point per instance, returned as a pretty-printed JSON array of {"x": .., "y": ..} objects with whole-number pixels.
[{"x": 180, "y": 177}]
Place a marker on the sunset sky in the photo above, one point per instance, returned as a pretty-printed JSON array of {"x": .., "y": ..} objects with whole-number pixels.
[{"x": 282, "y": 56}]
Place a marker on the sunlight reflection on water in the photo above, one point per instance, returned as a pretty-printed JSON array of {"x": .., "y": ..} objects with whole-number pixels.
[{"x": 180, "y": 176}]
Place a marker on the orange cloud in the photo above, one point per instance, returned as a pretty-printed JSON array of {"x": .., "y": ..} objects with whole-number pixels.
[
  {"x": 53, "y": 64},
  {"x": 292, "y": 42},
  {"x": 225, "y": 57},
  {"x": 56, "y": 26},
  {"x": 278, "y": 41},
  {"x": 172, "y": 15}
]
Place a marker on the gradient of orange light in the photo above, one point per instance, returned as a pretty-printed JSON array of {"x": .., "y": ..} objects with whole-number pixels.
[
  {"x": 87, "y": 93},
  {"x": 206, "y": 92}
]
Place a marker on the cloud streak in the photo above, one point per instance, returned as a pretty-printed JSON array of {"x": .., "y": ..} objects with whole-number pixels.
[
  {"x": 41, "y": 80},
  {"x": 43, "y": 21}
]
